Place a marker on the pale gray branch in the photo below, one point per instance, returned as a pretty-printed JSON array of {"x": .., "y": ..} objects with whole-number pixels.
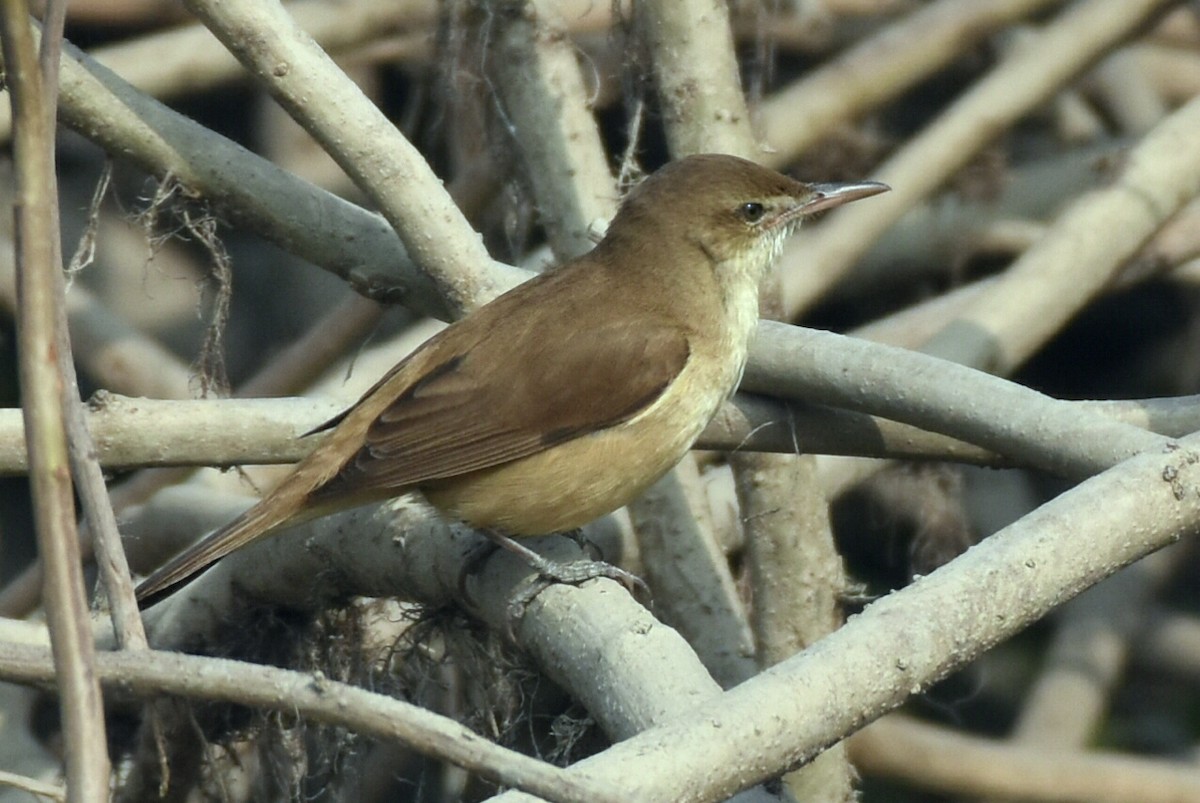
[
  {"x": 364, "y": 143},
  {"x": 877, "y": 69},
  {"x": 147, "y": 674},
  {"x": 1080, "y": 254},
  {"x": 1070, "y": 43},
  {"x": 915, "y": 636},
  {"x": 935, "y": 758}
]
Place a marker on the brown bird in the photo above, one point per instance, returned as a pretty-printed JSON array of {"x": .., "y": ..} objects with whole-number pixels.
[{"x": 565, "y": 398}]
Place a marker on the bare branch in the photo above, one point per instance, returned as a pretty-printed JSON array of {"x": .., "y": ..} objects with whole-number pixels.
[
  {"x": 1069, "y": 44},
  {"x": 149, "y": 674},
  {"x": 39, "y": 283}
]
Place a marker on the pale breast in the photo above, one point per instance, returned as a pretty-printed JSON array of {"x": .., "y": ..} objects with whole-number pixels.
[{"x": 578, "y": 481}]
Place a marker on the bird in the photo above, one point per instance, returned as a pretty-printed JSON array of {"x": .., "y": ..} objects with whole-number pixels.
[{"x": 566, "y": 397}]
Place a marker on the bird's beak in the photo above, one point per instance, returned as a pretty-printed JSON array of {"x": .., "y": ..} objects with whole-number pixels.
[{"x": 827, "y": 196}]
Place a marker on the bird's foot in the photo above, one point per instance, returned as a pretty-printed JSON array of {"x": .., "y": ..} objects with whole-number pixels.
[{"x": 549, "y": 572}]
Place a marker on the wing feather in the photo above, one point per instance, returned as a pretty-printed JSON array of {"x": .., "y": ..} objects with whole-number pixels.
[{"x": 473, "y": 411}]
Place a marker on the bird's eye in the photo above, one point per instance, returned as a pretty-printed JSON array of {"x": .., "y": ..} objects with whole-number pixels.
[{"x": 751, "y": 212}]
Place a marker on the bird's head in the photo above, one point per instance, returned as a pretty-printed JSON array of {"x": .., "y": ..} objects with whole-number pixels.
[{"x": 737, "y": 212}]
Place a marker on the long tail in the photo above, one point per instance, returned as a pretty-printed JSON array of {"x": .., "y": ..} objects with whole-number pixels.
[{"x": 263, "y": 519}]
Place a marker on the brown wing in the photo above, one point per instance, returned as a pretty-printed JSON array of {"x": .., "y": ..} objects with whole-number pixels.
[{"x": 469, "y": 413}]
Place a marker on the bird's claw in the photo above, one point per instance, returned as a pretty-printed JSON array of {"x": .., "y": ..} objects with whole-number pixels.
[
  {"x": 548, "y": 573},
  {"x": 572, "y": 573}
]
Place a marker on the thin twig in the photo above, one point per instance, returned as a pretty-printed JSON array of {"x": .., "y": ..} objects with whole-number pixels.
[
  {"x": 100, "y": 522},
  {"x": 305, "y": 359},
  {"x": 42, "y": 399},
  {"x": 41, "y": 789}
]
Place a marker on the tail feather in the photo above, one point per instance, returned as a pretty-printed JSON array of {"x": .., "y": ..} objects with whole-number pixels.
[{"x": 256, "y": 522}]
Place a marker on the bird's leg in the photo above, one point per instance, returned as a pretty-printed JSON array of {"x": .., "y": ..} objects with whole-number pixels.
[
  {"x": 472, "y": 565},
  {"x": 548, "y": 571},
  {"x": 573, "y": 572},
  {"x": 584, "y": 543}
]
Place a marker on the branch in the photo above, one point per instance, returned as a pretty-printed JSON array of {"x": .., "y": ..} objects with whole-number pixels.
[
  {"x": 915, "y": 636},
  {"x": 1081, "y": 253},
  {"x": 689, "y": 576},
  {"x": 627, "y": 669},
  {"x": 691, "y": 50},
  {"x": 1066, "y": 703},
  {"x": 364, "y": 143},
  {"x": 938, "y": 759},
  {"x": 42, "y": 403},
  {"x": 246, "y": 189},
  {"x": 40, "y": 789},
  {"x": 1064, "y": 48},
  {"x": 1059, "y": 437},
  {"x": 795, "y": 362},
  {"x": 148, "y": 674},
  {"x": 551, "y": 120},
  {"x": 115, "y": 354},
  {"x": 149, "y": 433},
  {"x": 878, "y": 68}
]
